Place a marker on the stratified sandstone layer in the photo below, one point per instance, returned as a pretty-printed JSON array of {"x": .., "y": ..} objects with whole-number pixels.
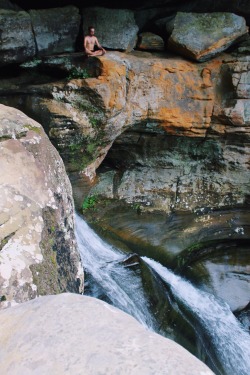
[
  {"x": 70, "y": 334},
  {"x": 38, "y": 252}
]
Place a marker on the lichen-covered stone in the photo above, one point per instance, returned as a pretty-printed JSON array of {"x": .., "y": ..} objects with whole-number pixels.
[
  {"x": 55, "y": 29},
  {"x": 72, "y": 334},
  {"x": 17, "y": 42},
  {"x": 202, "y": 36},
  {"x": 38, "y": 252},
  {"x": 151, "y": 42},
  {"x": 115, "y": 28}
]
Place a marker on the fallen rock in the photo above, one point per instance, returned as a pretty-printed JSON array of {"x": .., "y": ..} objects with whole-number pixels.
[
  {"x": 115, "y": 28},
  {"x": 202, "y": 36},
  {"x": 17, "y": 42},
  {"x": 38, "y": 251},
  {"x": 151, "y": 42},
  {"x": 72, "y": 334},
  {"x": 55, "y": 29}
]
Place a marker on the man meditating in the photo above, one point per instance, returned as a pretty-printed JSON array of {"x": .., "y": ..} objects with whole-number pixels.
[{"x": 90, "y": 41}]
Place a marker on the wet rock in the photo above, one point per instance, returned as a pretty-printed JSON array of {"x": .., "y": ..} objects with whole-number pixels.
[
  {"x": 151, "y": 42},
  {"x": 17, "y": 42},
  {"x": 115, "y": 28},
  {"x": 202, "y": 36},
  {"x": 55, "y": 29},
  {"x": 69, "y": 320},
  {"x": 38, "y": 252}
]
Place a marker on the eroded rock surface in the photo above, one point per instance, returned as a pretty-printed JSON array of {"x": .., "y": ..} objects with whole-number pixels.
[
  {"x": 105, "y": 341},
  {"x": 177, "y": 131},
  {"x": 38, "y": 253}
]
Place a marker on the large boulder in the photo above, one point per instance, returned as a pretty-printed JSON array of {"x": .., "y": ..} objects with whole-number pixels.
[
  {"x": 115, "y": 28},
  {"x": 55, "y": 29},
  {"x": 17, "y": 42},
  {"x": 202, "y": 36},
  {"x": 38, "y": 251},
  {"x": 72, "y": 334}
]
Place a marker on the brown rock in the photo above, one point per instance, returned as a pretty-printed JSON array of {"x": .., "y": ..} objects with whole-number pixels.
[{"x": 151, "y": 42}]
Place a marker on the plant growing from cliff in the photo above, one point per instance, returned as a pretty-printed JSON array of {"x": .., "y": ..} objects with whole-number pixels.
[
  {"x": 78, "y": 73},
  {"x": 89, "y": 203}
]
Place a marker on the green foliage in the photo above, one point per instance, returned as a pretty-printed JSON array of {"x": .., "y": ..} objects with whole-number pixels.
[
  {"x": 78, "y": 73},
  {"x": 89, "y": 203},
  {"x": 94, "y": 121},
  {"x": 3, "y": 298},
  {"x": 137, "y": 207}
]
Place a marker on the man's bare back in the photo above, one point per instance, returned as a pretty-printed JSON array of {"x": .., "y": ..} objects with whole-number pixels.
[{"x": 90, "y": 41}]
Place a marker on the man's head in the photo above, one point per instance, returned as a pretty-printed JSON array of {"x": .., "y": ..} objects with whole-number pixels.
[{"x": 91, "y": 30}]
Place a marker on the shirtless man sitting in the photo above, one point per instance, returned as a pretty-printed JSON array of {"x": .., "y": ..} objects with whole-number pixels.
[{"x": 90, "y": 41}]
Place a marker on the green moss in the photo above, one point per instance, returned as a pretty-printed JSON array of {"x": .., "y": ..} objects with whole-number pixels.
[
  {"x": 33, "y": 128},
  {"x": 78, "y": 73}
]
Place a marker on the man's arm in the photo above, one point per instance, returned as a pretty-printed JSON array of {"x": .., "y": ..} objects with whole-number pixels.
[{"x": 98, "y": 45}]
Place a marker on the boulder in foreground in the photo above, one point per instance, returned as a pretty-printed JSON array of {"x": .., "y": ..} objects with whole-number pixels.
[
  {"x": 202, "y": 36},
  {"x": 38, "y": 252},
  {"x": 73, "y": 334}
]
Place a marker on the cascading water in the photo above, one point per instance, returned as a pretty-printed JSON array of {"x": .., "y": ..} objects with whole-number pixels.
[
  {"x": 230, "y": 343},
  {"x": 229, "y": 340},
  {"x": 102, "y": 261}
]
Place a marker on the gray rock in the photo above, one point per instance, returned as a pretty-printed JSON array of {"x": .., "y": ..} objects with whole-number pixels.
[
  {"x": 151, "y": 42},
  {"x": 55, "y": 29},
  {"x": 38, "y": 249},
  {"x": 72, "y": 334},
  {"x": 202, "y": 36},
  {"x": 115, "y": 28},
  {"x": 17, "y": 42}
]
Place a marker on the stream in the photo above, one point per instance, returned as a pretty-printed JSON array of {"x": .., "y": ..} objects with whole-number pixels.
[{"x": 165, "y": 303}]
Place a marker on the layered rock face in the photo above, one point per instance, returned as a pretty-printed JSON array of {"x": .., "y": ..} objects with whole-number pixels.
[
  {"x": 105, "y": 341},
  {"x": 181, "y": 130},
  {"x": 38, "y": 252}
]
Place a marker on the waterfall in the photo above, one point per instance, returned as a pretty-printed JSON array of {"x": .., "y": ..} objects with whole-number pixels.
[
  {"x": 228, "y": 338},
  {"x": 224, "y": 334},
  {"x": 121, "y": 285}
]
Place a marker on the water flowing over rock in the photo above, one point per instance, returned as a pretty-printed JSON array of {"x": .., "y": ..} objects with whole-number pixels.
[
  {"x": 105, "y": 340},
  {"x": 38, "y": 253},
  {"x": 55, "y": 29},
  {"x": 202, "y": 36},
  {"x": 17, "y": 42},
  {"x": 115, "y": 28}
]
